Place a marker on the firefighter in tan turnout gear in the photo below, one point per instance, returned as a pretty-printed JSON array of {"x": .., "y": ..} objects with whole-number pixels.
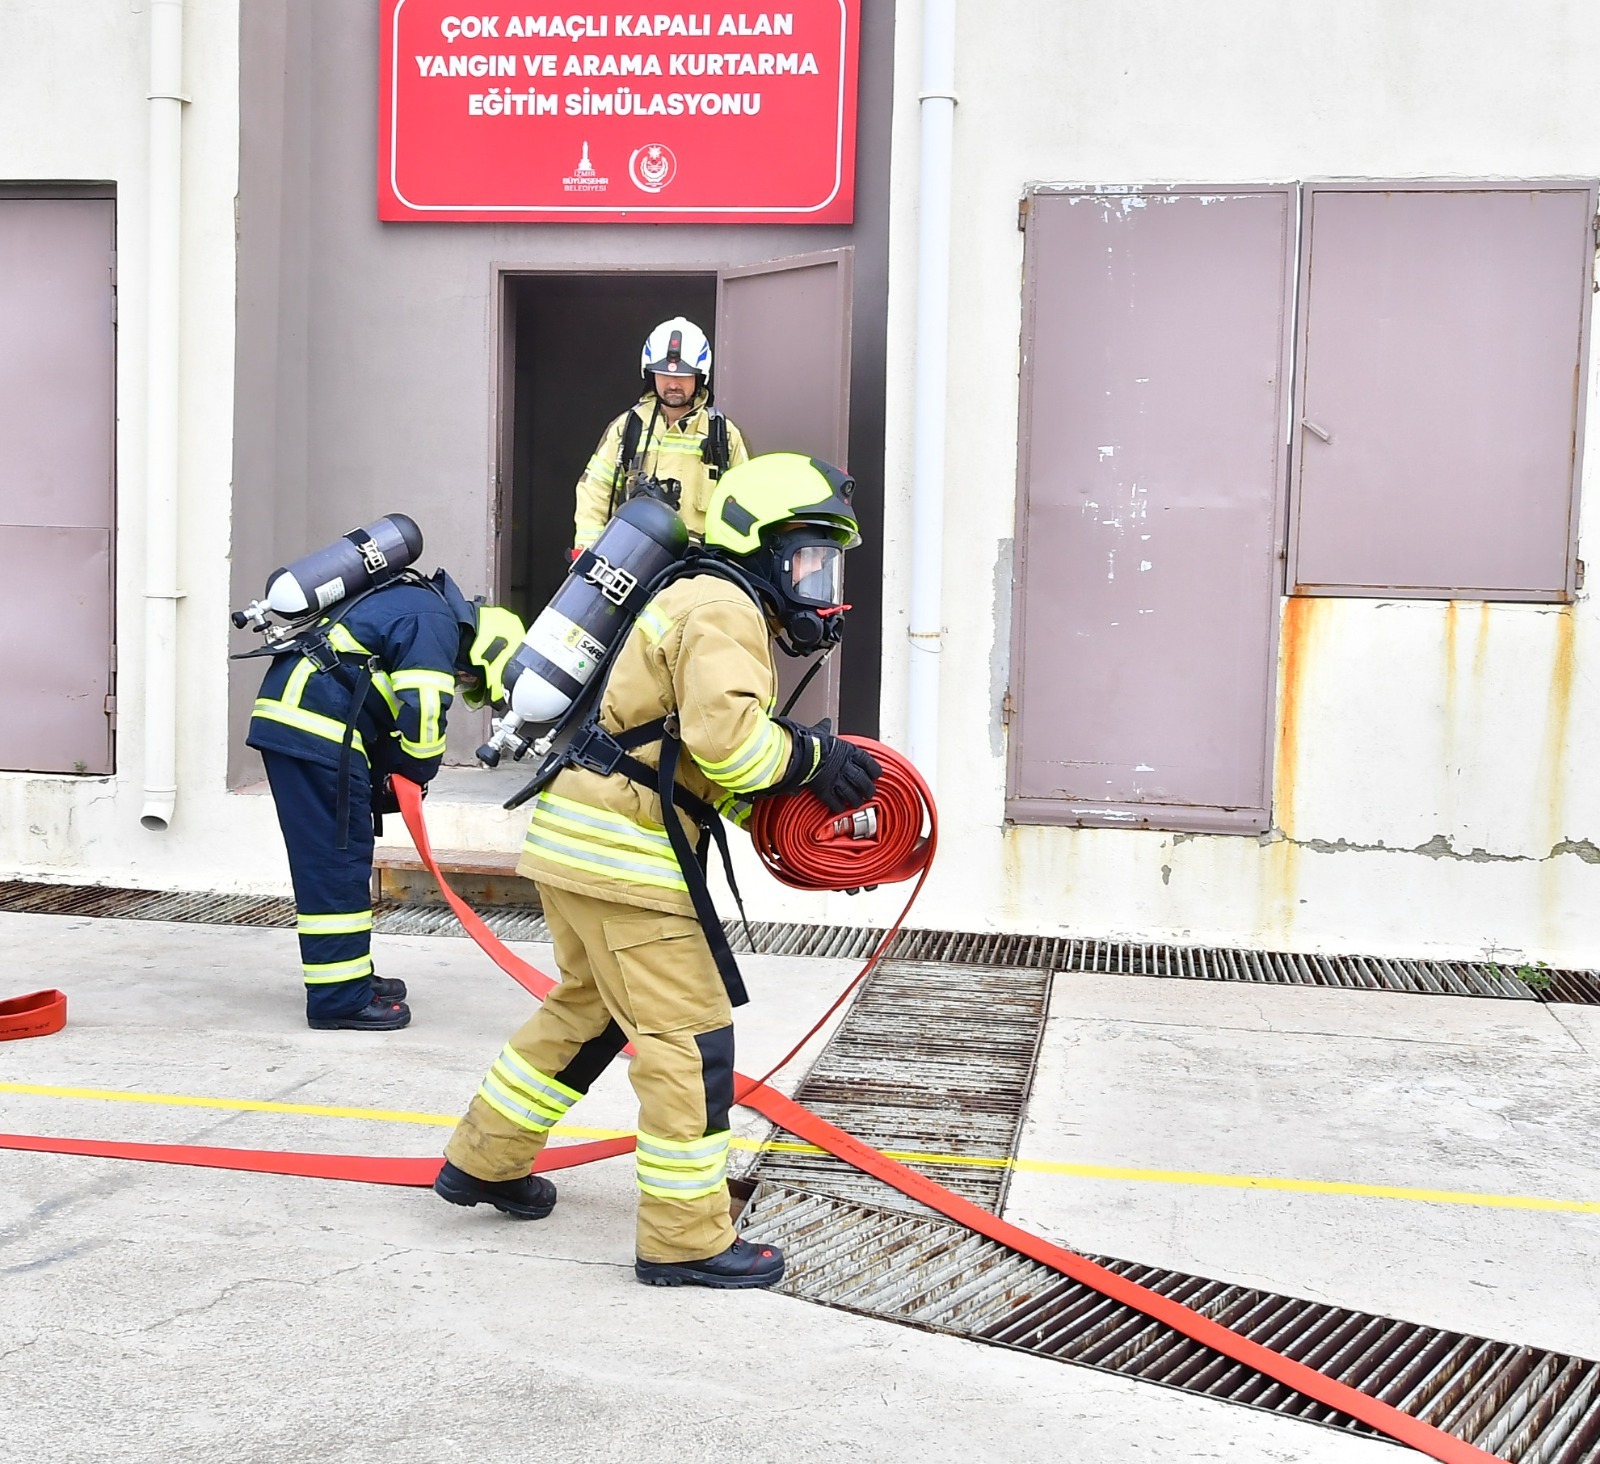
[
  {"x": 671, "y": 435},
  {"x": 693, "y": 687}
]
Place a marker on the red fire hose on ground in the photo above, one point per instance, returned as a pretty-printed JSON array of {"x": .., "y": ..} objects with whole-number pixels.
[{"x": 806, "y": 846}]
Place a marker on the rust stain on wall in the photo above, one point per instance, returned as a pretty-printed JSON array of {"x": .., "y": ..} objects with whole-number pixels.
[
  {"x": 1299, "y": 628},
  {"x": 1558, "y": 715},
  {"x": 1553, "y": 771},
  {"x": 1480, "y": 652},
  {"x": 1452, "y": 624}
]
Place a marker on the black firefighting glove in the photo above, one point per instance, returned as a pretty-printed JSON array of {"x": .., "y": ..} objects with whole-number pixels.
[
  {"x": 846, "y": 776},
  {"x": 841, "y": 774}
]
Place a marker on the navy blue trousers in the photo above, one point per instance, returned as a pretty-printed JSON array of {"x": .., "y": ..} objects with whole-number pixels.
[{"x": 332, "y": 887}]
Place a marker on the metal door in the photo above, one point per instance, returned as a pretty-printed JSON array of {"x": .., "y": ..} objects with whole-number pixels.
[
  {"x": 1443, "y": 341},
  {"x": 1155, "y": 368},
  {"x": 782, "y": 373},
  {"x": 57, "y": 427}
]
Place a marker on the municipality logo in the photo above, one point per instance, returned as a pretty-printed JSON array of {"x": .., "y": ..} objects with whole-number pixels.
[
  {"x": 583, "y": 178},
  {"x": 651, "y": 167}
]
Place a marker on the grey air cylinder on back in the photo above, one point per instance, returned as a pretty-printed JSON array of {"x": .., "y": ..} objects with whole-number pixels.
[
  {"x": 597, "y": 602},
  {"x": 346, "y": 567}
]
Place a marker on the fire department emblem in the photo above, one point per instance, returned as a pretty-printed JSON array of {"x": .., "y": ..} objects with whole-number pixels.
[{"x": 652, "y": 167}]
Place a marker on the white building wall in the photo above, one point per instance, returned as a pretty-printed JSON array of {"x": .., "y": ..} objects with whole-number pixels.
[
  {"x": 1433, "y": 788},
  {"x": 1435, "y": 785},
  {"x": 74, "y": 78}
]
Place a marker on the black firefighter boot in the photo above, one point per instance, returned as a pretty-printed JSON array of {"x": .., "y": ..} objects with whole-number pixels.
[
  {"x": 387, "y": 988},
  {"x": 377, "y": 1015},
  {"x": 742, "y": 1265},
  {"x": 530, "y": 1198}
]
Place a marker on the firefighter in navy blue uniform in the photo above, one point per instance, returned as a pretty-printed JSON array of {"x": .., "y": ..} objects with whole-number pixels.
[{"x": 402, "y": 651}]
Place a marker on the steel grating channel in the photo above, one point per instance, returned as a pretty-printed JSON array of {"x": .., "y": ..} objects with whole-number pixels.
[
  {"x": 904, "y": 1073},
  {"x": 945, "y": 947},
  {"x": 1522, "y": 1404}
]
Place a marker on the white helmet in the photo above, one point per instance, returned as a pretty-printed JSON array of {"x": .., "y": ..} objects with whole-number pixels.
[{"x": 676, "y": 347}]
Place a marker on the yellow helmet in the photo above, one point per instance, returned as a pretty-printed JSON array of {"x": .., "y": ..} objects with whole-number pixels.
[
  {"x": 777, "y": 489},
  {"x": 787, "y": 519}
]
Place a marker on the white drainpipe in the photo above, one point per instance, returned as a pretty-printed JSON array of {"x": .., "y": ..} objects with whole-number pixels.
[
  {"x": 935, "y": 146},
  {"x": 161, "y": 593}
]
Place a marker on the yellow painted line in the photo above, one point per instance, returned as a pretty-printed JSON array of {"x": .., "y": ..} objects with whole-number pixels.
[{"x": 906, "y": 1156}]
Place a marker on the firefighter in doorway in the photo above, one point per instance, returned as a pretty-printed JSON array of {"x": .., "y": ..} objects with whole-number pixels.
[
  {"x": 365, "y": 696},
  {"x": 687, "y": 708},
  {"x": 671, "y": 435}
]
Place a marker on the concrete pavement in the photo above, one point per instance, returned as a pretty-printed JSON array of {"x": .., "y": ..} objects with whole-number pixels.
[{"x": 156, "y": 1313}]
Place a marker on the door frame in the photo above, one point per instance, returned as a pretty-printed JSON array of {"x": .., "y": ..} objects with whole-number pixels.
[{"x": 502, "y": 387}]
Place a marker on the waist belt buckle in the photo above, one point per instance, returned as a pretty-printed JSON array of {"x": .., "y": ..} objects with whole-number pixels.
[{"x": 595, "y": 751}]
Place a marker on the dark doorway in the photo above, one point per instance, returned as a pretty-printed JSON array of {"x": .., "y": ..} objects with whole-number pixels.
[
  {"x": 574, "y": 366},
  {"x": 570, "y": 365}
]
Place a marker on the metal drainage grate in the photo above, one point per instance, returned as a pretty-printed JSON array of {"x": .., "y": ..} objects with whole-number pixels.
[
  {"x": 1523, "y": 1404},
  {"x": 905, "y": 1070},
  {"x": 946, "y": 947}
]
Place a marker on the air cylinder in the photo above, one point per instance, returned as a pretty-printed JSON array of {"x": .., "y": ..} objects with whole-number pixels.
[
  {"x": 596, "y": 604},
  {"x": 352, "y": 563}
]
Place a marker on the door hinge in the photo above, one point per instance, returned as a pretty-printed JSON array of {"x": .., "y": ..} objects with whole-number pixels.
[
  {"x": 1024, "y": 208},
  {"x": 111, "y": 710},
  {"x": 1007, "y": 708},
  {"x": 1577, "y": 578}
]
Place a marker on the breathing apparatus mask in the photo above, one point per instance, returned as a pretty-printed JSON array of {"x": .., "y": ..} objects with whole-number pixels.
[
  {"x": 803, "y": 567},
  {"x": 784, "y": 521}
]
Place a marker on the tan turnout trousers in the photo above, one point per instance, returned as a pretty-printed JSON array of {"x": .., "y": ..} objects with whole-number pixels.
[{"x": 649, "y": 974}]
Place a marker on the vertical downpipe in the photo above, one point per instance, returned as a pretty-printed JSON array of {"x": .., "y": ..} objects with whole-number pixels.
[
  {"x": 936, "y": 144},
  {"x": 161, "y": 594}
]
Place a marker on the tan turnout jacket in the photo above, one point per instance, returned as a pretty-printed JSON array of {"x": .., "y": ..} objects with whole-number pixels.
[
  {"x": 702, "y": 649},
  {"x": 670, "y": 452}
]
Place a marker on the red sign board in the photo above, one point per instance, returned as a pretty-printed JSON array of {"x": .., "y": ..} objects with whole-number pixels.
[{"x": 491, "y": 111}]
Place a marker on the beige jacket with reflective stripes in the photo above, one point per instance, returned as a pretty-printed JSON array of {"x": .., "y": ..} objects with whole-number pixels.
[
  {"x": 671, "y": 452},
  {"x": 701, "y": 649}
]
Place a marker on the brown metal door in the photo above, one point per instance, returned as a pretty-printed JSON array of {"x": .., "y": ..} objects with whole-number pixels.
[
  {"x": 57, "y": 430},
  {"x": 782, "y": 374},
  {"x": 1443, "y": 348},
  {"x": 1155, "y": 366}
]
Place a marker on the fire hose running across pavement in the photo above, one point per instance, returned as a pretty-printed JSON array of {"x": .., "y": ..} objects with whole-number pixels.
[{"x": 807, "y": 847}]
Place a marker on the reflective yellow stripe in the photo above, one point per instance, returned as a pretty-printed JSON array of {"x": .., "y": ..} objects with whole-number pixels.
[
  {"x": 322, "y": 972},
  {"x": 568, "y": 817},
  {"x": 593, "y": 860},
  {"x": 295, "y": 687},
  {"x": 416, "y": 679},
  {"x": 303, "y": 721},
  {"x": 673, "y": 1170},
  {"x": 382, "y": 685},
  {"x": 652, "y": 624},
  {"x": 530, "y": 1076},
  {"x": 754, "y": 764},
  {"x": 519, "y": 1092},
  {"x": 736, "y": 810},
  {"x": 340, "y": 639},
  {"x": 351, "y": 923}
]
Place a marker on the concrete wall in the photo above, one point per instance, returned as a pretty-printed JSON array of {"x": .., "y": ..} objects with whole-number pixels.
[
  {"x": 1435, "y": 788},
  {"x": 73, "y": 86},
  {"x": 368, "y": 352}
]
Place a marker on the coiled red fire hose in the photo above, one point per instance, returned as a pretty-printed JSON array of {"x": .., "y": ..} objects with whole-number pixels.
[{"x": 891, "y": 838}]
